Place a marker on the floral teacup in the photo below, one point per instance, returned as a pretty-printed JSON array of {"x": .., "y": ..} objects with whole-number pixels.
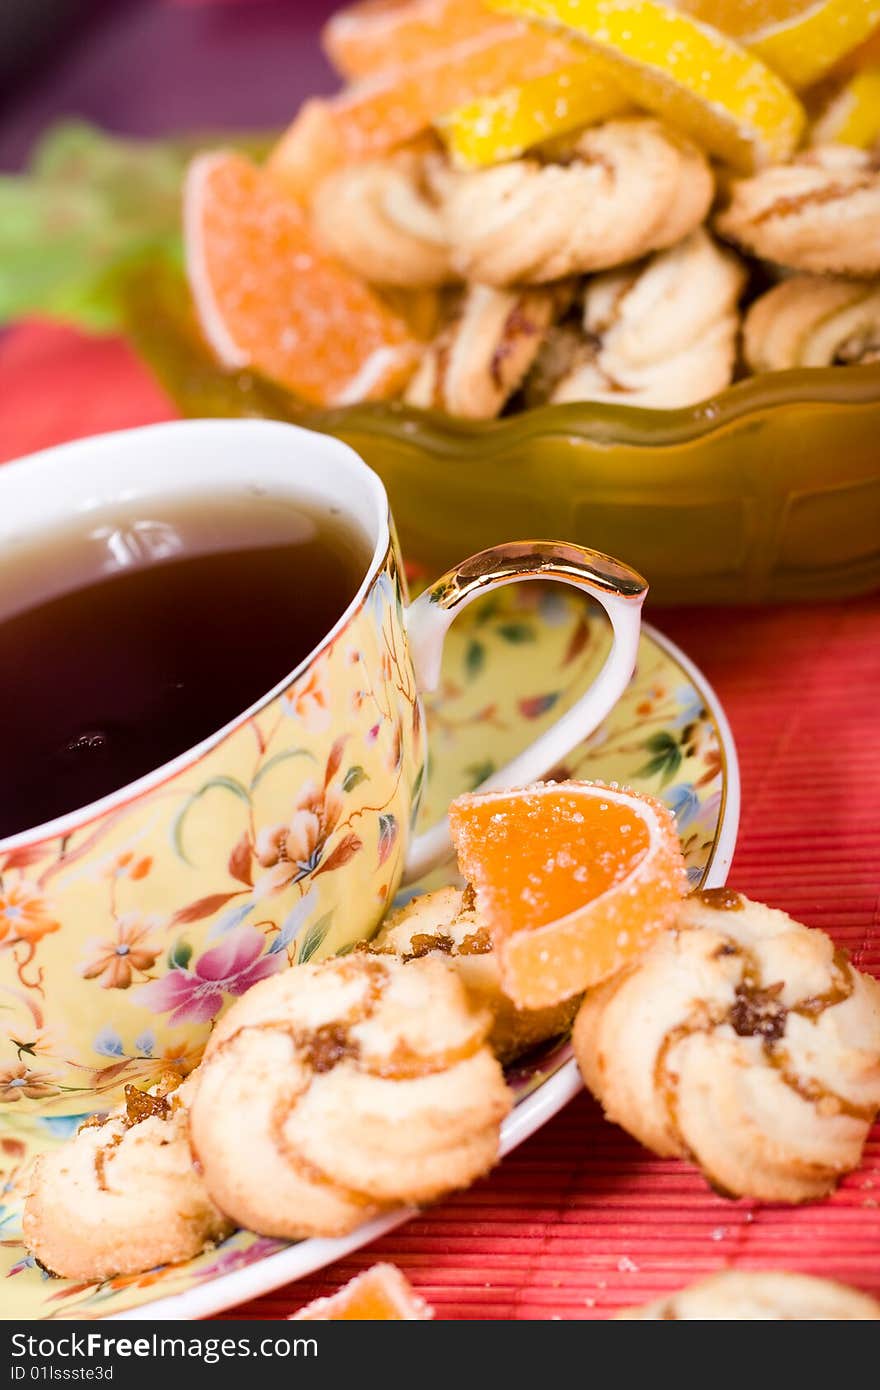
[{"x": 128, "y": 925}]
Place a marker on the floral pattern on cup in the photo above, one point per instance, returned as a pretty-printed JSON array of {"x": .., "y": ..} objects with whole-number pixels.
[{"x": 219, "y": 876}]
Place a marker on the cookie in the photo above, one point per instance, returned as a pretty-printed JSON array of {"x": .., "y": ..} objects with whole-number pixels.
[
  {"x": 334, "y": 1091},
  {"x": 737, "y": 1295},
  {"x": 820, "y": 213},
  {"x": 743, "y": 1041},
  {"x": 445, "y": 924},
  {"x": 481, "y": 356},
  {"x": 813, "y": 321},
  {"x": 123, "y": 1195},
  {"x": 661, "y": 333},
  {"x": 615, "y": 193},
  {"x": 383, "y": 220}
]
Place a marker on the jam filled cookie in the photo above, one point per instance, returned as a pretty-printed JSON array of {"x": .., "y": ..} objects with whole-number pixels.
[
  {"x": 661, "y": 333},
  {"x": 743, "y": 1041},
  {"x": 737, "y": 1295},
  {"x": 813, "y": 321},
  {"x": 333, "y": 1091},
  {"x": 617, "y": 192},
  {"x": 821, "y": 212},
  {"x": 123, "y": 1195},
  {"x": 445, "y": 924}
]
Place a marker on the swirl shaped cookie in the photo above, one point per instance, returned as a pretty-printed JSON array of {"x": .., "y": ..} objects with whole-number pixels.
[
  {"x": 662, "y": 333},
  {"x": 813, "y": 321},
  {"x": 332, "y": 1091},
  {"x": 444, "y": 924},
  {"x": 123, "y": 1195},
  {"x": 739, "y": 1295},
  {"x": 384, "y": 220},
  {"x": 743, "y": 1041},
  {"x": 483, "y": 354},
  {"x": 621, "y": 190},
  {"x": 821, "y": 212}
]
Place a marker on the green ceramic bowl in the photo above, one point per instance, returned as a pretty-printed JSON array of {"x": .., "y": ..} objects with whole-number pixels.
[{"x": 769, "y": 491}]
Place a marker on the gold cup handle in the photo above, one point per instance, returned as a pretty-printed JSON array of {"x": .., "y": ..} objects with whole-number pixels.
[{"x": 620, "y": 591}]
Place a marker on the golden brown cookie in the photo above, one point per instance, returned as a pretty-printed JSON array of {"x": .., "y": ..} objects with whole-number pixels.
[
  {"x": 123, "y": 1195},
  {"x": 333, "y": 1091},
  {"x": 661, "y": 333},
  {"x": 743, "y": 1041},
  {"x": 481, "y": 356},
  {"x": 821, "y": 212},
  {"x": 444, "y": 924},
  {"x": 617, "y": 192},
  {"x": 813, "y": 321},
  {"x": 383, "y": 219},
  {"x": 772, "y": 1296}
]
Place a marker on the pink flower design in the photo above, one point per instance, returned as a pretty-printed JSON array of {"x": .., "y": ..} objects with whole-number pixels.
[
  {"x": 228, "y": 968},
  {"x": 238, "y": 1258}
]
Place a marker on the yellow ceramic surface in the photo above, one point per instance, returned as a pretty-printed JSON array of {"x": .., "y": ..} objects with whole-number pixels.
[
  {"x": 510, "y": 664},
  {"x": 247, "y": 842}
]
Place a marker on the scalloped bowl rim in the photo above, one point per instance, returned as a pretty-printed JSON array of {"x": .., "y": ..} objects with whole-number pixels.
[{"x": 603, "y": 423}]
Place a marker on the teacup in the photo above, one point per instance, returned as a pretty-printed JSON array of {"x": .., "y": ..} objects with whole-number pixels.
[{"x": 128, "y": 925}]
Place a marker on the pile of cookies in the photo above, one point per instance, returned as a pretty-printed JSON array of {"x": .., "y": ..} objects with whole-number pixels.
[
  {"x": 603, "y": 267},
  {"x": 515, "y": 203},
  {"x": 730, "y": 1036}
]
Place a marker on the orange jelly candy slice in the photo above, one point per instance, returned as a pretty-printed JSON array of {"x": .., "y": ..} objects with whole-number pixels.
[
  {"x": 573, "y": 879},
  {"x": 377, "y": 34},
  {"x": 269, "y": 298},
  {"x": 381, "y": 1294},
  {"x": 374, "y": 117}
]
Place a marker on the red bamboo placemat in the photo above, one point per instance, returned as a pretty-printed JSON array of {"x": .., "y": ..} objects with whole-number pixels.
[{"x": 581, "y": 1220}]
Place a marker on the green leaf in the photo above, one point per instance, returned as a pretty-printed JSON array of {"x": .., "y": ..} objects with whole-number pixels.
[
  {"x": 474, "y": 658},
  {"x": 90, "y": 206},
  {"x": 517, "y": 633},
  {"x": 478, "y": 772},
  {"x": 666, "y": 759},
  {"x": 353, "y": 778},
  {"x": 314, "y": 938},
  {"x": 279, "y": 758},
  {"x": 486, "y": 609},
  {"x": 229, "y": 784},
  {"x": 180, "y": 955}
]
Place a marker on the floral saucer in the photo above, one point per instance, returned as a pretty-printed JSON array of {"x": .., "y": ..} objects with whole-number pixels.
[{"x": 511, "y": 665}]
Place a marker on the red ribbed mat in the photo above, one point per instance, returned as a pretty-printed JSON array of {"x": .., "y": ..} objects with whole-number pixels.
[{"x": 581, "y": 1221}]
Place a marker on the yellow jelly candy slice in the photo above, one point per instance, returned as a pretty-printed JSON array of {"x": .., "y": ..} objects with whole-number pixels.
[
  {"x": 698, "y": 79},
  {"x": 503, "y": 126},
  {"x": 852, "y": 116},
  {"x": 799, "y": 39},
  {"x": 867, "y": 55},
  {"x": 808, "y": 47}
]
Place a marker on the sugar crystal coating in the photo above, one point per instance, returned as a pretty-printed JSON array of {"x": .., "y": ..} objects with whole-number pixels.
[{"x": 569, "y": 897}]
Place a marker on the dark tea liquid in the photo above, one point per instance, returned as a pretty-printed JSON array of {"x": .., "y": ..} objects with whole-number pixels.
[{"x": 131, "y": 636}]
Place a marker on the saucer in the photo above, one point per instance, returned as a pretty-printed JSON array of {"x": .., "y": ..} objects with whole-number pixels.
[{"x": 512, "y": 664}]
